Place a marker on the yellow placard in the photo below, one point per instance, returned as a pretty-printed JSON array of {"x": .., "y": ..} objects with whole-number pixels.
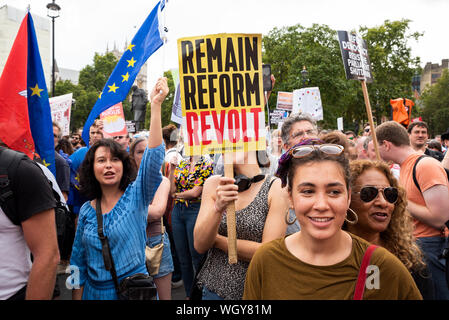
[{"x": 222, "y": 93}]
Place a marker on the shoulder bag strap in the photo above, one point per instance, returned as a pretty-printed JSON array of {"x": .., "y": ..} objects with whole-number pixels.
[
  {"x": 106, "y": 250},
  {"x": 360, "y": 285},
  {"x": 414, "y": 172}
]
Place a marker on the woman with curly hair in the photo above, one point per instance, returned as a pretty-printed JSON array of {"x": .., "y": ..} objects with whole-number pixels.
[{"x": 380, "y": 204}]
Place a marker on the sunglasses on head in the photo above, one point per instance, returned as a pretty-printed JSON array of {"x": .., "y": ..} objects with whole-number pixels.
[
  {"x": 305, "y": 150},
  {"x": 368, "y": 194},
  {"x": 367, "y": 130},
  {"x": 243, "y": 182}
]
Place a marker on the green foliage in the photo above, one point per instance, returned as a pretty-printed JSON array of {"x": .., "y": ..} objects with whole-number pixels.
[
  {"x": 166, "y": 105},
  {"x": 290, "y": 48},
  {"x": 436, "y": 105},
  {"x": 92, "y": 80}
]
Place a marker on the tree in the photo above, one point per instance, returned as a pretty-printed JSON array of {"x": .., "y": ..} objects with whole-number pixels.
[
  {"x": 290, "y": 48},
  {"x": 392, "y": 63},
  {"x": 92, "y": 80},
  {"x": 167, "y": 105},
  {"x": 435, "y": 100}
]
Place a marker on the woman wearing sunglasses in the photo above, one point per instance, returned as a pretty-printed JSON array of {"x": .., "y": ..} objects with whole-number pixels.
[
  {"x": 380, "y": 205},
  {"x": 260, "y": 206},
  {"x": 322, "y": 261}
]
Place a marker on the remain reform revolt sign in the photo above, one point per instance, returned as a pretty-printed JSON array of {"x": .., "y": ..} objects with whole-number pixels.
[{"x": 222, "y": 93}]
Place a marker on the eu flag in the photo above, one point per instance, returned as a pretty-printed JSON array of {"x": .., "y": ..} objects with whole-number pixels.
[
  {"x": 146, "y": 41},
  {"x": 25, "y": 116}
]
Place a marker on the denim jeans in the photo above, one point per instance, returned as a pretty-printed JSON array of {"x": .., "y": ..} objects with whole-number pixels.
[
  {"x": 432, "y": 247},
  {"x": 210, "y": 295},
  {"x": 183, "y": 222}
]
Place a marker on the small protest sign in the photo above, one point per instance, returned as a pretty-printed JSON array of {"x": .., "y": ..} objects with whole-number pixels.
[
  {"x": 60, "y": 111},
  {"x": 340, "y": 124},
  {"x": 114, "y": 121},
  {"x": 130, "y": 126},
  {"x": 222, "y": 93},
  {"x": 176, "y": 114},
  {"x": 354, "y": 52},
  {"x": 308, "y": 100},
  {"x": 284, "y": 101}
]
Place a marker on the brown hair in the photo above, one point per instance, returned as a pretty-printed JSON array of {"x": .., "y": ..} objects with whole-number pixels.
[
  {"x": 393, "y": 132},
  {"x": 398, "y": 237},
  {"x": 337, "y": 137},
  {"x": 167, "y": 132}
]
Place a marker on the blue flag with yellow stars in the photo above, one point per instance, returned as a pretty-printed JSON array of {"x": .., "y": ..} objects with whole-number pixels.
[
  {"x": 146, "y": 41},
  {"x": 38, "y": 105}
]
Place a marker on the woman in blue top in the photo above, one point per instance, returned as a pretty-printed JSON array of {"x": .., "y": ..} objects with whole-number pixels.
[{"x": 107, "y": 173}]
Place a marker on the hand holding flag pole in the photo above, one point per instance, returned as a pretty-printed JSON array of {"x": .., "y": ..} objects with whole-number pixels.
[{"x": 148, "y": 39}]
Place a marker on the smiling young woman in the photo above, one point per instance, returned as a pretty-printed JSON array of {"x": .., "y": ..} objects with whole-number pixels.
[{"x": 322, "y": 261}]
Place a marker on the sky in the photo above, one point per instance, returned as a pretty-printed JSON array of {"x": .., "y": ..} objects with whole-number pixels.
[{"x": 88, "y": 26}]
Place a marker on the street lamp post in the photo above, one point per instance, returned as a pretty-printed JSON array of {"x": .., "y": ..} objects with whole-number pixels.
[
  {"x": 53, "y": 13},
  {"x": 304, "y": 75}
]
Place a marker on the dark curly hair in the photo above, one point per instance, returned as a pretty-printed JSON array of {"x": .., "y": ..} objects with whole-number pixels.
[{"x": 89, "y": 185}]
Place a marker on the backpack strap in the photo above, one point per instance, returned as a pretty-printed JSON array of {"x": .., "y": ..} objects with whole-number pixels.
[
  {"x": 414, "y": 172},
  {"x": 361, "y": 279},
  {"x": 9, "y": 161}
]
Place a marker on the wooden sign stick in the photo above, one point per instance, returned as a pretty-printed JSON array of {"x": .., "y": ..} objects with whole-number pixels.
[
  {"x": 230, "y": 212},
  {"x": 370, "y": 118}
]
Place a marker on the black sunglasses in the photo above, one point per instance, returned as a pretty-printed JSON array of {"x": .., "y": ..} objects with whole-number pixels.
[
  {"x": 368, "y": 194},
  {"x": 118, "y": 137},
  {"x": 243, "y": 182}
]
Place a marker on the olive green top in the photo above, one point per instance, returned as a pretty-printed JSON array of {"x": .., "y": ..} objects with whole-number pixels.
[{"x": 275, "y": 274}]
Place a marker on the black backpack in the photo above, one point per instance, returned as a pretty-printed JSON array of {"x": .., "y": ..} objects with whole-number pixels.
[{"x": 9, "y": 162}]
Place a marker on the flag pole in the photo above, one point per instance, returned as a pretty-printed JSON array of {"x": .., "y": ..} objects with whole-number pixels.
[{"x": 370, "y": 118}]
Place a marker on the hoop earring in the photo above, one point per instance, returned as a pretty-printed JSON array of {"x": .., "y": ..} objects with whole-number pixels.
[
  {"x": 356, "y": 217},
  {"x": 287, "y": 214}
]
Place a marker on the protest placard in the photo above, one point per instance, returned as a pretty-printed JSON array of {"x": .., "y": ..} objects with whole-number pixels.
[
  {"x": 60, "y": 107},
  {"x": 354, "y": 52},
  {"x": 308, "y": 100},
  {"x": 340, "y": 124},
  {"x": 114, "y": 121},
  {"x": 284, "y": 101},
  {"x": 176, "y": 114},
  {"x": 222, "y": 101},
  {"x": 221, "y": 93},
  {"x": 130, "y": 126}
]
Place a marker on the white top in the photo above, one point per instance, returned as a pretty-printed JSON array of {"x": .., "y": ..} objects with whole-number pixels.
[{"x": 15, "y": 261}]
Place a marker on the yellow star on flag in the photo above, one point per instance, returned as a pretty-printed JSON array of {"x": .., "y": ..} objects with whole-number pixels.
[
  {"x": 130, "y": 47},
  {"x": 131, "y": 62},
  {"x": 113, "y": 88},
  {"x": 125, "y": 77},
  {"x": 36, "y": 91},
  {"x": 45, "y": 163},
  {"x": 101, "y": 93}
]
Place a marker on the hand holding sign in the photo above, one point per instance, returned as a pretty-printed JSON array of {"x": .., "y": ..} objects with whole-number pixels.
[{"x": 226, "y": 193}]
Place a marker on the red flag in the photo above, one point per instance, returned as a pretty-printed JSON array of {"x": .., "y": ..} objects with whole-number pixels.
[{"x": 15, "y": 129}]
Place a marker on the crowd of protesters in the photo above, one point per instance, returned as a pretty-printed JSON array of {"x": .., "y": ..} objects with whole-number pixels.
[{"x": 309, "y": 212}]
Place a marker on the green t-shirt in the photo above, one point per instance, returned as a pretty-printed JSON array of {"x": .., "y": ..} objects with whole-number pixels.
[{"x": 275, "y": 274}]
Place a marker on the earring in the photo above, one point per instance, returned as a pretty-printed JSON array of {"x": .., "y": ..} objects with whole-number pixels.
[
  {"x": 287, "y": 215},
  {"x": 356, "y": 217}
]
